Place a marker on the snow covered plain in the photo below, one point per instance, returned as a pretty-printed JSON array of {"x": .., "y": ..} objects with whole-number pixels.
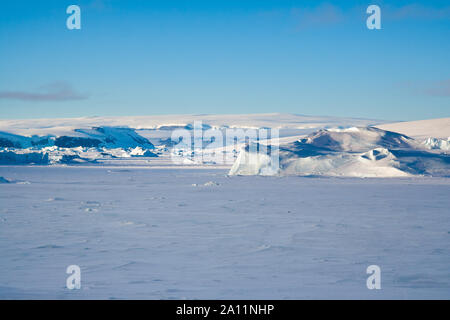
[
  {"x": 61, "y": 127},
  {"x": 198, "y": 233},
  {"x": 421, "y": 129},
  {"x": 145, "y": 228}
]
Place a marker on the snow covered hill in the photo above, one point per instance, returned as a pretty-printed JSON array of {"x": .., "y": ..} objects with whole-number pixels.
[
  {"x": 109, "y": 137},
  {"x": 81, "y": 145},
  {"x": 433, "y": 133},
  {"x": 353, "y": 152},
  {"x": 117, "y": 131},
  {"x": 340, "y": 146},
  {"x": 48, "y": 141}
]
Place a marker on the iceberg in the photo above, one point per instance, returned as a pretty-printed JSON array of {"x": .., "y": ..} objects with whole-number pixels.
[{"x": 353, "y": 152}]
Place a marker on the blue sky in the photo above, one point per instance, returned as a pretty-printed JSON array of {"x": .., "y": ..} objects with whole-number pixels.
[{"x": 193, "y": 57}]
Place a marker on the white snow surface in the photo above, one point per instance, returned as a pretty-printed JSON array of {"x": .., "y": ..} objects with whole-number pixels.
[
  {"x": 421, "y": 129},
  {"x": 143, "y": 233},
  {"x": 61, "y": 127}
]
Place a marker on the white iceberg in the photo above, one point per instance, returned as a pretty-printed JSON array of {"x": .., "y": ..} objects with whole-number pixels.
[{"x": 354, "y": 152}]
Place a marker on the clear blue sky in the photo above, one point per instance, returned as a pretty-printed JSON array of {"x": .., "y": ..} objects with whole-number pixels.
[{"x": 158, "y": 57}]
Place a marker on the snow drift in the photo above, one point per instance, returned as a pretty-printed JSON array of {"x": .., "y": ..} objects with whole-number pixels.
[{"x": 351, "y": 152}]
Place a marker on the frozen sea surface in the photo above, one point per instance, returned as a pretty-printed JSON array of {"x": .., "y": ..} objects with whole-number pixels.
[{"x": 196, "y": 233}]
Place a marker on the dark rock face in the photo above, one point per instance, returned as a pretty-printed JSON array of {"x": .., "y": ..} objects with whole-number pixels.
[
  {"x": 73, "y": 142},
  {"x": 5, "y": 143},
  {"x": 24, "y": 158},
  {"x": 41, "y": 142}
]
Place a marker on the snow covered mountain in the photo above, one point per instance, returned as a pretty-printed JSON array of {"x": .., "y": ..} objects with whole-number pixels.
[
  {"x": 353, "y": 152},
  {"x": 335, "y": 146},
  {"x": 48, "y": 141}
]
